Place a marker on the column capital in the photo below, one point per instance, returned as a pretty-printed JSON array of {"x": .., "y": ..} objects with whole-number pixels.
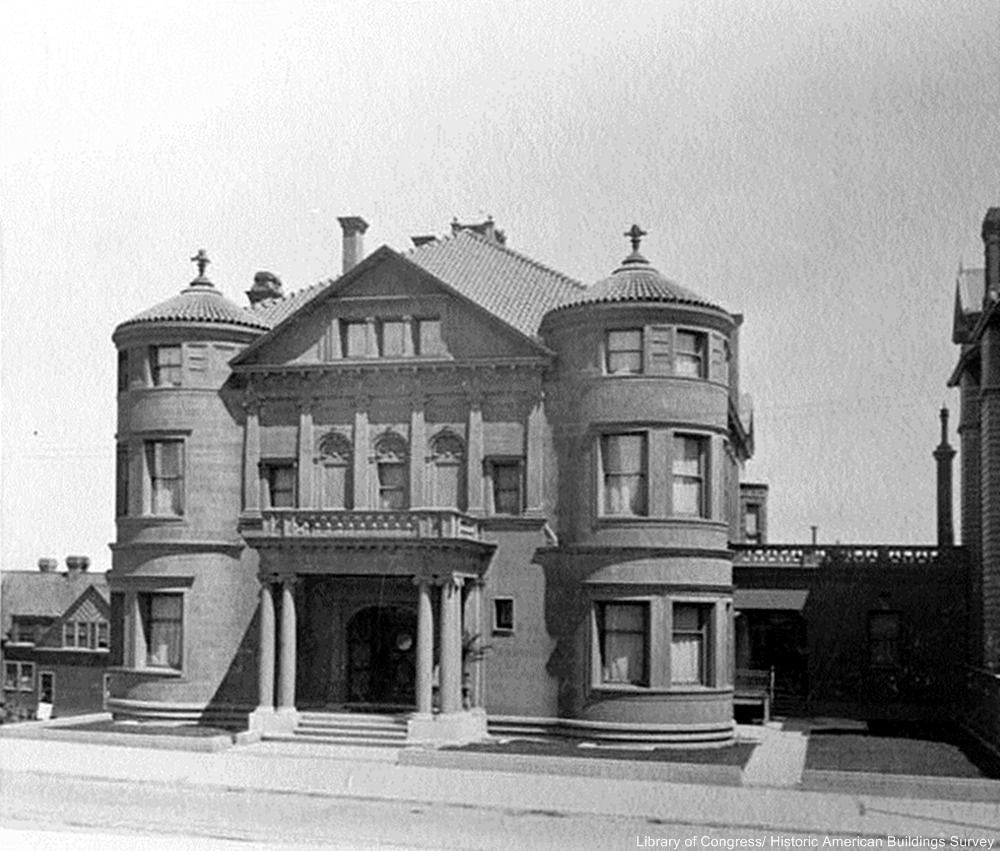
[
  {"x": 287, "y": 580},
  {"x": 306, "y": 404},
  {"x": 363, "y": 402},
  {"x": 267, "y": 580}
]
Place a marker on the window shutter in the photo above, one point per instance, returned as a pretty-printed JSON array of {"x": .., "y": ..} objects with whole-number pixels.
[
  {"x": 720, "y": 367},
  {"x": 658, "y": 350}
]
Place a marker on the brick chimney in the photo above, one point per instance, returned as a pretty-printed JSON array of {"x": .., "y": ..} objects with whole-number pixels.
[
  {"x": 75, "y": 565},
  {"x": 354, "y": 228},
  {"x": 944, "y": 455},
  {"x": 47, "y": 565}
]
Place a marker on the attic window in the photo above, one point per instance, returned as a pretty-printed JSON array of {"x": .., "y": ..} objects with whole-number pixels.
[{"x": 429, "y": 341}]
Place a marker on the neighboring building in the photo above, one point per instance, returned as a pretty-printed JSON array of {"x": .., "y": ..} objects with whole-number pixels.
[
  {"x": 333, "y": 499},
  {"x": 976, "y": 330},
  {"x": 752, "y": 528},
  {"x": 56, "y": 634}
]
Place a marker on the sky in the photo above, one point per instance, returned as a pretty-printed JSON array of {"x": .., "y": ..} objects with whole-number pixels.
[{"x": 822, "y": 168}]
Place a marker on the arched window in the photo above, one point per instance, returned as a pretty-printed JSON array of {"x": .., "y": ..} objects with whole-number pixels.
[
  {"x": 393, "y": 475},
  {"x": 334, "y": 479},
  {"x": 448, "y": 457}
]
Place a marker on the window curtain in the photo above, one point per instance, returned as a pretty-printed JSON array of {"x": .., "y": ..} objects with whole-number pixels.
[
  {"x": 165, "y": 461},
  {"x": 624, "y": 474},
  {"x": 624, "y": 645},
  {"x": 392, "y": 485},
  {"x": 688, "y": 476},
  {"x": 687, "y": 651},
  {"x": 164, "y": 631}
]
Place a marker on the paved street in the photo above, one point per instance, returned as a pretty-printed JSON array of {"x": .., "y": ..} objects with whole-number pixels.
[
  {"x": 130, "y": 813},
  {"x": 289, "y": 796}
]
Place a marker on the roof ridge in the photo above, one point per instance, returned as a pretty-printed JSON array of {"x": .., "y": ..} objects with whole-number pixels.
[{"x": 524, "y": 258}]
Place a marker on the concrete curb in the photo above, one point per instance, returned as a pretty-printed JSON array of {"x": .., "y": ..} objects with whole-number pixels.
[
  {"x": 603, "y": 768},
  {"x": 61, "y": 730},
  {"x": 902, "y": 786}
]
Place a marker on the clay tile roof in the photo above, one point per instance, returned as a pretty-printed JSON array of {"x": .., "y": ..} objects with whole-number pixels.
[
  {"x": 199, "y": 302},
  {"x": 515, "y": 288},
  {"x": 38, "y": 594},
  {"x": 272, "y": 311},
  {"x": 636, "y": 281}
]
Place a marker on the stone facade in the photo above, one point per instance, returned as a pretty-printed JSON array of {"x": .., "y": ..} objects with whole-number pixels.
[{"x": 451, "y": 483}]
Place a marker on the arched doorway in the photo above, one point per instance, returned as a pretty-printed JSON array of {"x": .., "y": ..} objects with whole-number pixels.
[{"x": 381, "y": 656}]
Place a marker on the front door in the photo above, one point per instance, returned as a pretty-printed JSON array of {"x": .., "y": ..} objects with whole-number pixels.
[{"x": 381, "y": 650}]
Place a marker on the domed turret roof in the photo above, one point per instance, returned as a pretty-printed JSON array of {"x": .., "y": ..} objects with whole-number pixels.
[
  {"x": 200, "y": 301},
  {"x": 636, "y": 280}
]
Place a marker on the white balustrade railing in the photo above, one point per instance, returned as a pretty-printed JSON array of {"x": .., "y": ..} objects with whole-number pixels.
[
  {"x": 441, "y": 523},
  {"x": 803, "y": 554}
]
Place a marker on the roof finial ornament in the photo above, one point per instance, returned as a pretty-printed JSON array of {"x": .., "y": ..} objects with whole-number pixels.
[
  {"x": 635, "y": 233},
  {"x": 201, "y": 258}
]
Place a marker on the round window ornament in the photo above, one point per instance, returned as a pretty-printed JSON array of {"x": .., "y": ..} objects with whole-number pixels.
[{"x": 404, "y": 641}]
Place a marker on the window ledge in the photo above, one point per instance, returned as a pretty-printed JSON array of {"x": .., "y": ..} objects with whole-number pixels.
[
  {"x": 167, "y": 673},
  {"x": 609, "y": 689},
  {"x": 153, "y": 519}
]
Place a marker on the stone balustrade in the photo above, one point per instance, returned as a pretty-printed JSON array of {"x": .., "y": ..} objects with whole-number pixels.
[
  {"x": 806, "y": 555},
  {"x": 427, "y": 523}
]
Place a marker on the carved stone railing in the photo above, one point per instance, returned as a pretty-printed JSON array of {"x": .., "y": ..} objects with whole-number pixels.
[
  {"x": 420, "y": 524},
  {"x": 806, "y": 555}
]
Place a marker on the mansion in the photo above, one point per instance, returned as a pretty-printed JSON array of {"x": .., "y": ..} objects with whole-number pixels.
[{"x": 451, "y": 484}]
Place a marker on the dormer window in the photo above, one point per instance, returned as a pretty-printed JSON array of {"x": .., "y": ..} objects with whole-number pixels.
[
  {"x": 393, "y": 338},
  {"x": 689, "y": 359},
  {"x": 355, "y": 339}
]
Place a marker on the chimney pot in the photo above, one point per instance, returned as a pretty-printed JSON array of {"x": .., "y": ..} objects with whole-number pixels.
[
  {"x": 354, "y": 228},
  {"x": 266, "y": 286},
  {"x": 422, "y": 240},
  {"x": 47, "y": 565},
  {"x": 77, "y": 564}
]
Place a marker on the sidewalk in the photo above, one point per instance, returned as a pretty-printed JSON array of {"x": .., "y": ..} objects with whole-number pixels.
[{"x": 768, "y": 804}]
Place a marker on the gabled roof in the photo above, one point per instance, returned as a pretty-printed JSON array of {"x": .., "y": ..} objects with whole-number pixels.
[
  {"x": 37, "y": 594},
  {"x": 515, "y": 288},
  {"x": 507, "y": 285}
]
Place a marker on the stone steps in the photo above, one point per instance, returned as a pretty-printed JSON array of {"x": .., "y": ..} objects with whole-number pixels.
[{"x": 348, "y": 728}]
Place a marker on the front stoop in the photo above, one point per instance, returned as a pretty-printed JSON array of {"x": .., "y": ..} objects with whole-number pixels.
[
  {"x": 265, "y": 722},
  {"x": 453, "y": 728}
]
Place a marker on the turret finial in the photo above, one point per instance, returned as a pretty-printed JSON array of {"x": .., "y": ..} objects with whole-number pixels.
[
  {"x": 635, "y": 233},
  {"x": 201, "y": 258}
]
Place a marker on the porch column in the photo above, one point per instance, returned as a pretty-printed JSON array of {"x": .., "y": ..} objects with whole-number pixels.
[
  {"x": 305, "y": 455},
  {"x": 425, "y": 648},
  {"x": 251, "y": 459},
  {"x": 265, "y": 653},
  {"x": 362, "y": 497},
  {"x": 474, "y": 452},
  {"x": 451, "y": 645},
  {"x": 286, "y": 672},
  {"x": 476, "y": 628}
]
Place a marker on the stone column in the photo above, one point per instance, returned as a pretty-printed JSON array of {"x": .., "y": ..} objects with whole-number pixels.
[
  {"x": 425, "y": 648},
  {"x": 534, "y": 456},
  {"x": 265, "y": 652},
  {"x": 476, "y": 627},
  {"x": 418, "y": 451},
  {"x": 305, "y": 455},
  {"x": 474, "y": 452},
  {"x": 451, "y": 645},
  {"x": 286, "y": 672},
  {"x": 251, "y": 459},
  {"x": 362, "y": 495}
]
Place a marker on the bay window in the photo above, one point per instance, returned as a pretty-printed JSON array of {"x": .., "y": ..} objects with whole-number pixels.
[
  {"x": 623, "y": 352},
  {"x": 165, "y": 475},
  {"x": 689, "y": 646},
  {"x": 690, "y": 494},
  {"x": 622, "y": 635},
  {"x": 689, "y": 358},
  {"x": 161, "y": 617},
  {"x": 623, "y": 466},
  {"x": 165, "y": 366}
]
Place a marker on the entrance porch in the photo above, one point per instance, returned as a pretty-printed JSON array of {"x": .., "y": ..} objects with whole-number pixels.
[{"x": 389, "y": 637}]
